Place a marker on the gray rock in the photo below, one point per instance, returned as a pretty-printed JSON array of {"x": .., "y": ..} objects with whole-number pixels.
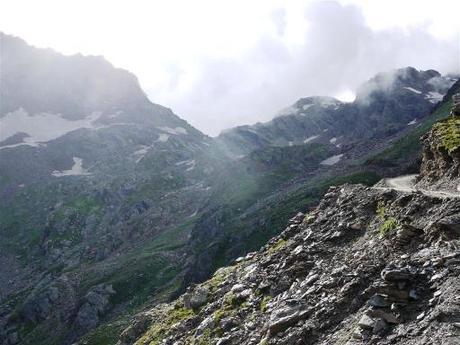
[
  {"x": 394, "y": 275},
  {"x": 366, "y": 322},
  {"x": 380, "y": 327},
  {"x": 285, "y": 317},
  {"x": 196, "y": 298},
  {"x": 379, "y": 301},
  {"x": 95, "y": 304}
]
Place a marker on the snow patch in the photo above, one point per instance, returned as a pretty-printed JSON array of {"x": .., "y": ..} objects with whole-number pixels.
[
  {"x": 287, "y": 111},
  {"x": 306, "y": 106},
  {"x": 327, "y": 102},
  {"x": 434, "y": 97},
  {"x": 40, "y": 127},
  {"x": 76, "y": 170},
  {"x": 413, "y": 90},
  {"x": 307, "y": 140},
  {"x": 332, "y": 160},
  {"x": 183, "y": 162},
  {"x": 291, "y": 143},
  {"x": 413, "y": 122},
  {"x": 190, "y": 164},
  {"x": 173, "y": 131},
  {"x": 333, "y": 140},
  {"x": 22, "y": 144},
  {"x": 163, "y": 137},
  {"x": 141, "y": 152},
  {"x": 116, "y": 114}
]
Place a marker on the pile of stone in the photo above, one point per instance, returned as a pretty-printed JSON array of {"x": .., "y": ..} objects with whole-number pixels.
[{"x": 395, "y": 291}]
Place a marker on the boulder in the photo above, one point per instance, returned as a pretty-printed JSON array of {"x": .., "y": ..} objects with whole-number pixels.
[{"x": 196, "y": 298}]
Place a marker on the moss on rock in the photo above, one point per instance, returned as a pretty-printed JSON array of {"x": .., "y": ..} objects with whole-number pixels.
[{"x": 448, "y": 131}]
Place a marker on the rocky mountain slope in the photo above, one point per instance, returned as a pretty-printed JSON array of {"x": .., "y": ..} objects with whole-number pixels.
[
  {"x": 111, "y": 203},
  {"x": 367, "y": 266},
  {"x": 263, "y": 188},
  {"x": 99, "y": 189},
  {"x": 385, "y": 104}
]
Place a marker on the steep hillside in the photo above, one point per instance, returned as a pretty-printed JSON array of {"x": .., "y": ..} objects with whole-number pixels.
[
  {"x": 267, "y": 186},
  {"x": 100, "y": 189},
  {"x": 367, "y": 266}
]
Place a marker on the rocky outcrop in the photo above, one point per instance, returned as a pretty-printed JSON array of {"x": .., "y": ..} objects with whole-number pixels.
[
  {"x": 93, "y": 306},
  {"x": 440, "y": 166},
  {"x": 456, "y": 105},
  {"x": 367, "y": 266}
]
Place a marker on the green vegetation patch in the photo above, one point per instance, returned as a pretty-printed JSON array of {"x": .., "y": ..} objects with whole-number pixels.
[
  {"x": 448, "y": 131},
  {"x": 388, "y": 226},
  {"x": 160, "y": 329},
  {"x": 106, "y": 334},
  {"x": 277, "y": 246},
  {"x": 264, "y": 303},
  {"x": 389, "y": 223}
]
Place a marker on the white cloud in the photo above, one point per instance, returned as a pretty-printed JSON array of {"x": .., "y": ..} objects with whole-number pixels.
[{"x": 223, "y": 63}]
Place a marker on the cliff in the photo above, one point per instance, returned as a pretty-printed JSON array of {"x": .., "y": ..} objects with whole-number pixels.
[{"x": 440, "y": 166}]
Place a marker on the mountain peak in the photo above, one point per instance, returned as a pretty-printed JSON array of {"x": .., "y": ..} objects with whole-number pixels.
[{"x": 41, "y": 78}]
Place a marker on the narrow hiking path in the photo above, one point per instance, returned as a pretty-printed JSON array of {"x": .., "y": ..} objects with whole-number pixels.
[{"x": 406, "y": 184}]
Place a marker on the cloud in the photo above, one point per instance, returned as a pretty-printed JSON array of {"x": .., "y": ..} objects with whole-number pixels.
[
  {"x": 223, "y": 63},
  {"x": 339, "y": 51}
]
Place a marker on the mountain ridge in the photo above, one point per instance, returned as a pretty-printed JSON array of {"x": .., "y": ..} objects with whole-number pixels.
[{"x": 316, "y": 119}]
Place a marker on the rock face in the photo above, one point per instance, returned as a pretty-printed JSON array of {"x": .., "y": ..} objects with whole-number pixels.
[
  {"x": 456, "y": 105},
  {"x": 441, "y": 152},
  {"x": 335, "y": 277},
  {"x": 94, "y": 305}
]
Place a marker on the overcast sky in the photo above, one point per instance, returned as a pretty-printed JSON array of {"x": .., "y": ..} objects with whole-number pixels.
[{"x": 221, "y": 63}]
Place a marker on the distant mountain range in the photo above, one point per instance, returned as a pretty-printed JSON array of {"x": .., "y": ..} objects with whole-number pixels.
[
  {"x": 111, "y": 203},
  {"x": 384, "y": 105}
]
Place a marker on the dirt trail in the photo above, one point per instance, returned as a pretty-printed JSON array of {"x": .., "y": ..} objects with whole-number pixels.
[{"x": 406, "y": 184}]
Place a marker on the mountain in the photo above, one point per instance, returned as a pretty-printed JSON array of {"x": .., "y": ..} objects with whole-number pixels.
[
  {"x": 369, "y": 265},
  {"x": 384, "y": 105},
  {"x": 99, "y": 189},
  {"x": 266, "y": 185},
  {"x": 111, "y": 204}
]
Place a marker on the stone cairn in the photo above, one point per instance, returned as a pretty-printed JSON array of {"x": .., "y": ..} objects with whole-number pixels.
[{"x": 456, "y": 108}]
